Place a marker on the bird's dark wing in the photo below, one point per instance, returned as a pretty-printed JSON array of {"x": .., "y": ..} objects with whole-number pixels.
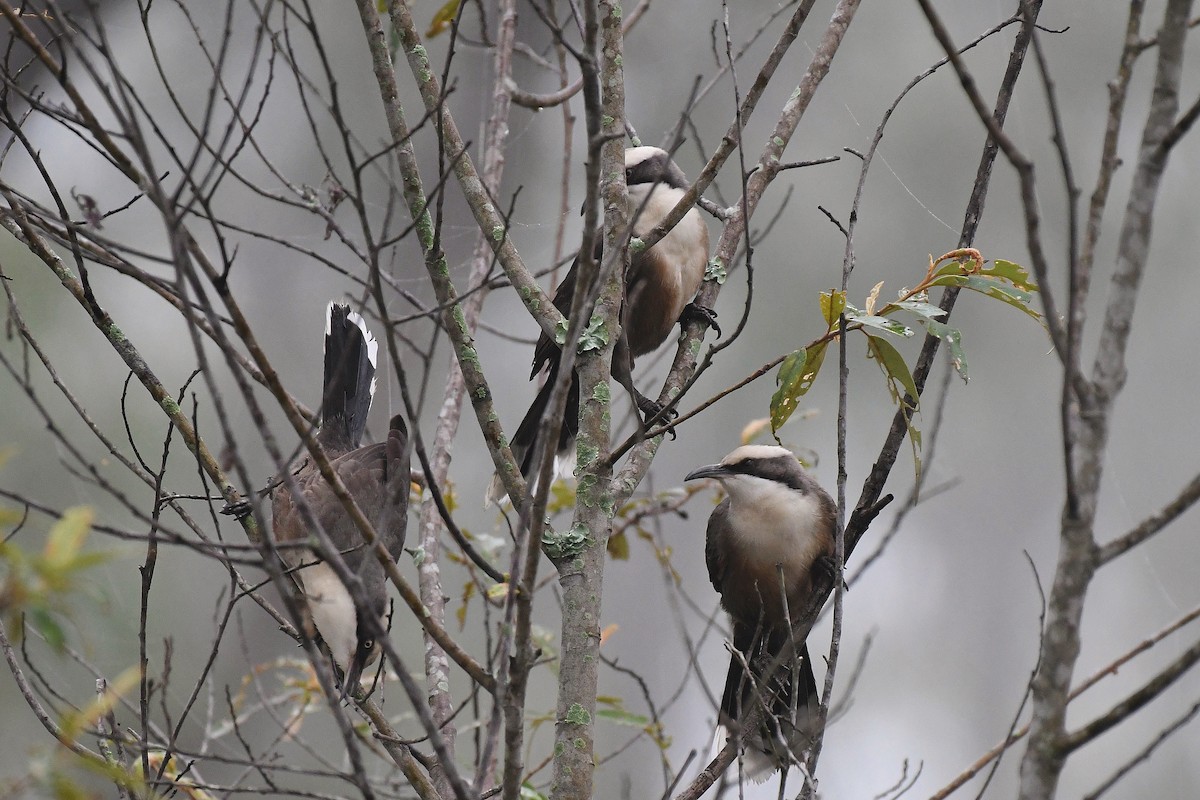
[
  {"x": 377, "y": 476},
  {"x": 546, "y": 348},
  {"x": 524, "y": 441},
  {"x": 364, "y": 473},
  {"x": 287, "y": 526},
  {"x": 715, "y": 546}
]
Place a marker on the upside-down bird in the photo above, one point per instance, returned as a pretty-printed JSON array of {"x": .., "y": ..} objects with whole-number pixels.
[
  {"x": 376, "y": 475},
  {"x": 765, "y": 539},
  {"x": 659, "y": 286}
]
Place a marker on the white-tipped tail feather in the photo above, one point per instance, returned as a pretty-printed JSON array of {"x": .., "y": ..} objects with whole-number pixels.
[
  {"x": 564, "y": 467},
  {"x": 756, "y": 766},
  {"x": 361, "y": 324}
]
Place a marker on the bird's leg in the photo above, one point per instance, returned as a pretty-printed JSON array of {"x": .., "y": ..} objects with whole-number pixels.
[
  {"x": 825, "y": 569},
  {"x": 622, "y": 370},
  {"x": 694, "y": 312},
  {"x": 652, "y": 410}
]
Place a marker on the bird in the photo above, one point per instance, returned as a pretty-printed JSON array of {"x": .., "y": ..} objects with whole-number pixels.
[
  {"x": 376, "y": 475},
  {"x": 660, "y": 284},
  {"x": 764, "y": 543}
]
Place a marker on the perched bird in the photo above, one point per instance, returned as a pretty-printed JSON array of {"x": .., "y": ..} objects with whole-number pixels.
[
  {"x": 376, "y": 475},
  {"x": 659, "y": 286},
  {"x": 764, "y": 541}
]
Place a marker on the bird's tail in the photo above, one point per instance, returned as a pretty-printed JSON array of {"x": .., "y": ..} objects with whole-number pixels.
[
  {"x": 524, "y": 443},
  {"x": 349, "y": 385},
  {"x": 787, "y": 729}
]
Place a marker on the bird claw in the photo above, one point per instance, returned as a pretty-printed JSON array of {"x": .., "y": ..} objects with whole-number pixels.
[
  {"x": 651, "y": 409},
  {"x": 693, "y": 312},
  {"x": 239, "y": 510},
  {"x": 827, "y": 568}
]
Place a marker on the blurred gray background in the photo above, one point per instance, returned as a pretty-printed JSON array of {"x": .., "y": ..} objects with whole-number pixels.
[{"x": 951, "y": 611}]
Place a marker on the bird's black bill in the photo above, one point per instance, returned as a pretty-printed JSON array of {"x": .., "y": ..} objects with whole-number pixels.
[
  {"x": 365, "y": 653},
  {"x": 711, "y": 471},
  {"x": 351, "y": 677}
]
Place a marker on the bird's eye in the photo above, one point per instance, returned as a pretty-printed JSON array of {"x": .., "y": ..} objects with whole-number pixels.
[{"x": 369, "y": 644}]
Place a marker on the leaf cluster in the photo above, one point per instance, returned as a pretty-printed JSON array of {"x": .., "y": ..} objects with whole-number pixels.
[
  {"x": 36, "y": 585},
  {"x": 1005, "y": 281}
]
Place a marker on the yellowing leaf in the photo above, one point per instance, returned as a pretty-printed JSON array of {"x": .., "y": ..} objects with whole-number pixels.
[
  {"x": 1013, "y": 273},
  {"x": 873, "y": 298},
  {"x": 618, "y": 546},
  {"x": 66, "y": 537},
  {"x": 754, "y": 428},
  {"x": 184, "y": 786},
  {"x": 442, "y": 18},
  {"x": 75, "y": 722},
  {"x": 562, "y": 497},
  {"x": 450, "y": 497},
  {"x": 461, "y": 612},
  {"x": 833, "y": 303}
]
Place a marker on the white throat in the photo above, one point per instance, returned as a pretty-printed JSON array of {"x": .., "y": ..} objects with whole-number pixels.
[
  {"x": 332, "y": 611},
  {"x": 775, "y": 522}
]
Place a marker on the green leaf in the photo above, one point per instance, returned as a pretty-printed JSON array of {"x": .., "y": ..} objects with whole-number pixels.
[
  {"x": 880, "y": 323},
  {"x": 922, "y": 310},
  {"x": 997, "y": 288},
  {"x": 951, "y": 268},
  {"x": 615, "y": 711},
  {"x": 992, "y": 287},
  {"x": 963, "y": 265},
  {"x": 1013, "y": 273},
  {"x": 894, "y": 368},
  {"x": 623, "y": 717},
  {"x": 953, "y": 339},
  {"x": 898, "y": 377},
  {"x": 795, "y": 378},
  {"x": 45, "y": 624},
  {"x": 833, "y": 303},
  {"x": 530, "y": 793}
]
